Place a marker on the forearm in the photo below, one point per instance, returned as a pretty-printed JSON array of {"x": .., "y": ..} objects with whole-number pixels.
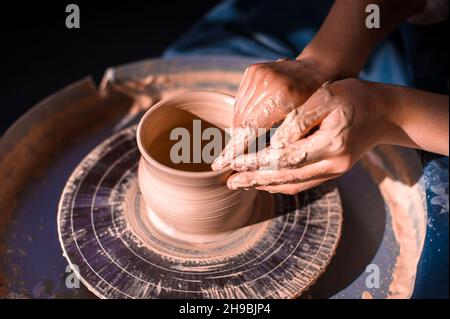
[
  {"x": 420, "y": 118},
  {"x": 343, "y": 43}
]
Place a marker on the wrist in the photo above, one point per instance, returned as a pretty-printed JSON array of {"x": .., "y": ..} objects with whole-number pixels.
[
  {"x": 390, "y": 101},
  {"x": 391, "y": 108},
  {"x": 330, "y": 67},
  {"x": 377, "y": 109}
]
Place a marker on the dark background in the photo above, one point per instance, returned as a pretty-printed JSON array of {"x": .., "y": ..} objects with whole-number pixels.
[{"x": 39, "y": 55}]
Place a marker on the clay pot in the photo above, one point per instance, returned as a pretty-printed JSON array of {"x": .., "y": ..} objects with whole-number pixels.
[{"x": 189, "y": 204}]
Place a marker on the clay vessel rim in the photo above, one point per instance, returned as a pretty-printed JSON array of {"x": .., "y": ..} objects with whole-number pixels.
[{"x": 161, "y": 166}]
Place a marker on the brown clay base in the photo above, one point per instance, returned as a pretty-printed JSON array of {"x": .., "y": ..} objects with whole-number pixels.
[{"x": 108, "y": 239}]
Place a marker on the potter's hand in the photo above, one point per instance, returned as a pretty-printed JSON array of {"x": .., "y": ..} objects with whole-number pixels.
[
  {"x": 339, "y": 50},
  {"x": 268, "y": 91},
  {"x": 349, "y": 123}
]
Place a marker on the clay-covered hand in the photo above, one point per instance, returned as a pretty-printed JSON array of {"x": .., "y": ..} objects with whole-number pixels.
[
  {"x": 350, "y": 119},
  {"x": 268, "y": 91}
]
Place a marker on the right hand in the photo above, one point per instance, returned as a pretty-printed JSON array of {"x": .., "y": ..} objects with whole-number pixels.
[
  {"x": 267, "y": 93},
  {"x": 349, "y": 116}
]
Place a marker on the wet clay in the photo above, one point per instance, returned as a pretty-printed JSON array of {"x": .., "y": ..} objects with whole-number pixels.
[
  {"x": 209, "y": 206},
  {"x": 404, "y": 199}
]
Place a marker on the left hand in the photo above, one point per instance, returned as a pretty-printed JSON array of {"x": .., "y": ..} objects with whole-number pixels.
[{"x": 351, "y": 118}]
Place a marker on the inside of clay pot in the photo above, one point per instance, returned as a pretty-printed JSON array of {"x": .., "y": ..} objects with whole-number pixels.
[
  {"x": 163, "y": 144},
  {"x": 194, "y": 115}
]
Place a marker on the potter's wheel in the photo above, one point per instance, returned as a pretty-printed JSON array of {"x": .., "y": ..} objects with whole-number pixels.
[
  {"x": 382, "y": 196},
  {"x": 118, "y": 254}
]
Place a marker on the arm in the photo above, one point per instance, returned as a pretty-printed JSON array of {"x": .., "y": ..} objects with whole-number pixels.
[
  {"x": 422, "y": 119},
  {"x": 343, "y": 43}
]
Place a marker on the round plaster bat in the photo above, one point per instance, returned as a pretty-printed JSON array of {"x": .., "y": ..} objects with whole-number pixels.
[{"x": 277, "y": 250}]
